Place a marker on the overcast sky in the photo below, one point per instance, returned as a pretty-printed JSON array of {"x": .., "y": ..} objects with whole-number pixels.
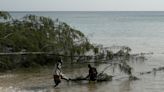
[{"x": 82, "y": 5}]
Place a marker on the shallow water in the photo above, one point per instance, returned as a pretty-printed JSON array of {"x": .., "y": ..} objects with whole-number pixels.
[{"x": 42, "y": 81}]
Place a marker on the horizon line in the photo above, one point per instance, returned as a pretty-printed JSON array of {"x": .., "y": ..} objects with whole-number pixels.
[{"x": 82, "y": 11}]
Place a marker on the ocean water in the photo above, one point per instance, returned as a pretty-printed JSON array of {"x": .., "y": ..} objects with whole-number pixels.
[{"x": 141, "y": 31}]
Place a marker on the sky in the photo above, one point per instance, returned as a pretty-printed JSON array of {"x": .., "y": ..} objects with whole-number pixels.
[{"x": 82, "y": 5}]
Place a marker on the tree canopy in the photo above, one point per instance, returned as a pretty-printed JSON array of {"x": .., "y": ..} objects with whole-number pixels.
[
  {"x": 39, "y": 34},
  {"x": 42, "y": 34}
]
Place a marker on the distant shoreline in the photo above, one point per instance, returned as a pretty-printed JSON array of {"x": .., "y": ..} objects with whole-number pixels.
[{"x": 82, "y": 11}]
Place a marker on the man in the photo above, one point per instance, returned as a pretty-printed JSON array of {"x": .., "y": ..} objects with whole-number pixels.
[
  {"x": 92, "y": 73},
  {"x": 57, "y": 74}
]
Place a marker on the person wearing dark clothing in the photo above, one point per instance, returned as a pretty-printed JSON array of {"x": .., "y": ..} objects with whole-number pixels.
[{"x": 92, "y": 73}]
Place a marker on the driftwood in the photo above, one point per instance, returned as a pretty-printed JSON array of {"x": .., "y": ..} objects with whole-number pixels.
[{"x": 154, "y": 70}]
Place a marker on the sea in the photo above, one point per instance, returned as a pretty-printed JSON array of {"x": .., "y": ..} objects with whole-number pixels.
[{"x": 142, "y": 31}]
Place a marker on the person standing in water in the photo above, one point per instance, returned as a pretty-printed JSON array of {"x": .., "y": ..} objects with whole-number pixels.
[
  {"x": 92, "y": 73},
  {"x": 57, "y": 73}
]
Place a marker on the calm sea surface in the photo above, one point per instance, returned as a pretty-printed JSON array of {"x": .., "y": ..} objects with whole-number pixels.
[{"x": 142, "y": 31}]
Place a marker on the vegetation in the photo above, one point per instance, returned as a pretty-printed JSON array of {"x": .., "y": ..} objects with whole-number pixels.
[
  {"x": 38, "y": 34},
  {"x": 46, "y": 40}
]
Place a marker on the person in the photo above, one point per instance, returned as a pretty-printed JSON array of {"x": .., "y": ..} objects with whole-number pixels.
[
  {"x": 57, "y": 73},
  {"x": 92, "y": 73}
]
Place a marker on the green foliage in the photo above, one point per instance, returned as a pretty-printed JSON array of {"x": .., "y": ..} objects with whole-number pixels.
[
  {"x": 4, "y": 15},
  {"x": 125, "y": 67},
  {"x": 96, "y": 50},
  {"x": 109, "y": 55},
  {"x": 39, "y": 34}
]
